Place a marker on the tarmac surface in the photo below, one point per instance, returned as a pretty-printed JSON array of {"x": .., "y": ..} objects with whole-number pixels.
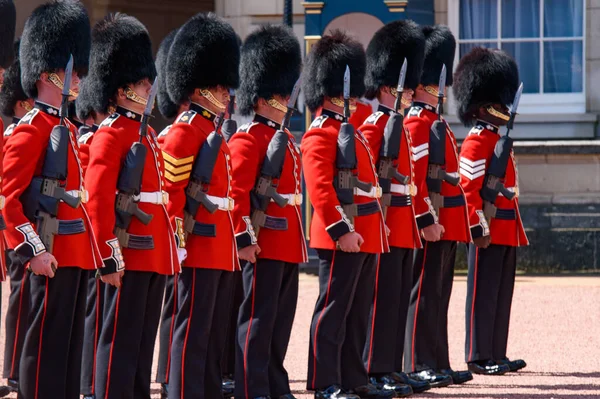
[{"x": 555, "y": 327}]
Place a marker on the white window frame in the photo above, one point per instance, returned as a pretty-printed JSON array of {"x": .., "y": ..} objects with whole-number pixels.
[{"x": 538, "y": 103}]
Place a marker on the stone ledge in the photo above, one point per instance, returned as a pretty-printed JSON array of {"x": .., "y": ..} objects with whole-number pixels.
[
  {"x": 579, "y": 147},
  {"x": 560, "y": 199},
  {"x": 542, "y": 118}
]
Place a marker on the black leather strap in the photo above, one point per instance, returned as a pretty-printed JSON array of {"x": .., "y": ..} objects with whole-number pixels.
[
  {"x": 368, "y": 208},
  {"x": 276, "y": 223},
  {"x": 140, "y": 242},
  {"x": 204, "y": 230},
  {"x": 453, "y": 202},
  {"x": 506, "y": 214},
  {"x": 401, "y": 201}
]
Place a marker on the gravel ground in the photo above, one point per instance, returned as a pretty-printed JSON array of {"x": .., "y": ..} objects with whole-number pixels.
[{"x": 555, "y": 328}]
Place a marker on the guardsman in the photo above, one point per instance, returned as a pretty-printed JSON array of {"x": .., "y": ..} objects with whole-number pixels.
[
  {"x": 132, "y": 226},
  {"x": 486, "y": 83},
  {"x": 270, "y": 65},
  {"x": 201, "y": 68},
  {"x": 49, "y": 228},
  {"x": 362, "y": 112},
  {"x": 14, "y": 103},
  {"x": 8, "y": 20},
  {"x": 169, "y": 110},
  {"x": 441, "y": 216},
  {"x": 393, "y": 45},
  {"x": 347, "y": 228}
]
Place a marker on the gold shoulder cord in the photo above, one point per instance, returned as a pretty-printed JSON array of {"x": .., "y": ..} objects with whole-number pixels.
[
  {"x": 213, "y": 100},
  {"x": 52, "y": 77}
]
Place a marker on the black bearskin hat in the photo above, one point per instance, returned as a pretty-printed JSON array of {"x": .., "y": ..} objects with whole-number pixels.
[
  {"x": 440, "y": 47},
  {"x": 205, "y": 53},
  {"x": 121, "y": 54},
  {"x": 386, "y": 52},
  {"x": 84, "y": 107},
  {"x": 270, "y": 65},
  {"x": 166, "y": 107},
  {"x": 53, "y": 32},
  {"x": 8, "y": 19},
  {"x": 326, "y": 65},
  {"x": 484, "y": 76},
  {"x": 12, "y": 91}
]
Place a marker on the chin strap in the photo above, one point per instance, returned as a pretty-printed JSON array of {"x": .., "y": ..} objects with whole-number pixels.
[
  {"x": 277, "y": 105},
  {"x": 55, "y": 79},
  {"x": 133, "y": 96},
  {"x": 340, "y": 103},
  {"x": 495, "y": 113},
  {"x": 213, "y": 100}
]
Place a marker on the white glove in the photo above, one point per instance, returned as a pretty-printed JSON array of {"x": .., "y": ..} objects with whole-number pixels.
[{"x": 181, "y": 254}]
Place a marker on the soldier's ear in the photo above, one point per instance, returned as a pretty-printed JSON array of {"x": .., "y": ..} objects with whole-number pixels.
[
  {"x": 44, "y": 77},
  {"x": 121, "y": 94}
]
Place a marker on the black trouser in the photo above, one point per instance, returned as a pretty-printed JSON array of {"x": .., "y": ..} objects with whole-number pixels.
[
  {"x": 228, "y": 361},
  {"x": 204, "y": 306},
  {"x": 17, "y": 318},
  {"x": 165, "y": 333},
  {"x": 426, "y": 343},
  {"x": 384, "y": 348},
  {"x": 339, "y": 324},
  {"x": 490, "y": 287},
  {"x": 51, "y": 358},
  {"x": 93, "y": 327},
  {"x": 264, "y": 328},
  {"x": 126, "y": 346}
]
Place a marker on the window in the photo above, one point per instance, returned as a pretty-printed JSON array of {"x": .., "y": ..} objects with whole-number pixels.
[{"x": 546, "y": 38}]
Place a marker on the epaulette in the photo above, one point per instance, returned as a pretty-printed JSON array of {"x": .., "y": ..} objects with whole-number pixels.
[
  {"x": 318, "y": 122},
  {"x": 245, "y": 128},
  {"x": 110, "y": 120},
  {"x": 83, "y": 139},
  {"x": 9, "y": 130},
  {"x": 165, "y": 131},
  {"x": 186, "y": 117},
  {"x": 26, "y": 120},
  {"x": 373, "y": 118},
  {"x": 415, "y": 111}
]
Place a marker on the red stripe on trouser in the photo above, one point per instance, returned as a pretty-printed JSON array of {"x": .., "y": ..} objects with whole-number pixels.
[
  {"x": 319, "y": 321},
  {"x": 37, "y": 370},
  {"x": 187, "y": 333},
  {"x": 414, "y": 334},
  {"x": 112, "y": 345},
  {"x": 98, "y": 288},
  {"x": 171, "y": 329},
  {"x": 14, "y": 355},
  {"x": 473, "y": 304},
  {"x": 248, "y": 331},
  {"x": 374, "y": 313}
]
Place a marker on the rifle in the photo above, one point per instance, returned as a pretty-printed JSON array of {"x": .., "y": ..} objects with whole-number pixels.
[
  {"x": 129, "y": 184},
  {"x": 346, "y": 181},
  {"x": 493, "y": 184},
  {"x": 42, "y": 198},
  {"x": 229, "y": 125},
  {"x": 390, "y": 148},
  {"x": 264, "y": 191},
  {"x": 201, "y": 177},
  {"x": 437, "y": 153}
]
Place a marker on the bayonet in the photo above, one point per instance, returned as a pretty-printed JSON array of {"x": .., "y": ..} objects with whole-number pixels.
[
  {"x": 291, "y": 105},
  {"x": 347, "y": 94},
  {"x": 441, "y": 92},
  {"x": 148, "y": 110},
  {"x": 513, "y": 109},
  {"x": 400, "y": 88},
  {"x": 64, "y": 105}
]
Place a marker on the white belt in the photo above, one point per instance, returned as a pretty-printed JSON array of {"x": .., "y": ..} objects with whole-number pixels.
[
  {"x": 293, "y": 199},
  {"x": 155, "y": 197},
  {"x": 405, "y": 189},
  {"x": 2, "y": 201},
  {"x": 81, "y": 194},
  {"x": 375, "y": 192},
  {"x": 512, "y": 190},
  {"x": 224, "y": 203}
]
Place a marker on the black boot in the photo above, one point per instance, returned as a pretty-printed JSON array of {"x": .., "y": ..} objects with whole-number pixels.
[
  {"x": 371, "y": 391},
  {"x": 458, "y": 377},
  {"x": 488, "y": 367},
  {"x": 164, "y": 391},
  {"x": 434, "y": 379},
  {"x": 388, "y": 382},
  {"x": 334, "y": 392},
  {"x": 513, "y": 365},
  {"x": 287, "y": 396}
]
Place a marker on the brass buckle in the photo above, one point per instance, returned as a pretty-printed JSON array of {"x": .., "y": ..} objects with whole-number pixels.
[
  {"x": 2, "y": 202},
  {"x": 378, "y": 191},
  {"x": 165, "y": 197},
  {"x": 230, "y": 203},
  {"x": 84, "y": 195},
  {"x": 412, "y": 190}
]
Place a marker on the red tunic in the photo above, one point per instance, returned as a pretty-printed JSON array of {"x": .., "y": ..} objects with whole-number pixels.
[
  {"x": 216, "y": 248},
  {"x": 475, "y": 155},
  {"x": 454, "y": 219},
  {"x": 107, "y": 153},
  {"x": 329, "y": 222},
  {"x": 248, "y": 149},
  {"x": 358, "y": 117},
  {"x": 398, "y": 218},
  {"x": 23, "y": 160},
  {"x": 85, "y": 141}
]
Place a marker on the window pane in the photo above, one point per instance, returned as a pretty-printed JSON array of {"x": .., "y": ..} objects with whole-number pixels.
[
  {"x": 520, "y": 18},
  {"x": 563, "y": 18},
  {"x": 563, "y": 67},
  {"x": 478, "y": 19},
  {"x": 527, "y": 56},
  {"x": 466, "y": 47}
]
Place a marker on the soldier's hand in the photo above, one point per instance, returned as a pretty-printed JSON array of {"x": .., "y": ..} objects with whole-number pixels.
[
  {"x": 350, "y": 242},
  {"x": 387, "y": 230},
  {"x": 249, "y": 253},
  {"x": 113, "y": 279},
  {"x": 433, "y": 233},
  {"x": 482, "y": 242},
  {"x": 44, "y": 264}
]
